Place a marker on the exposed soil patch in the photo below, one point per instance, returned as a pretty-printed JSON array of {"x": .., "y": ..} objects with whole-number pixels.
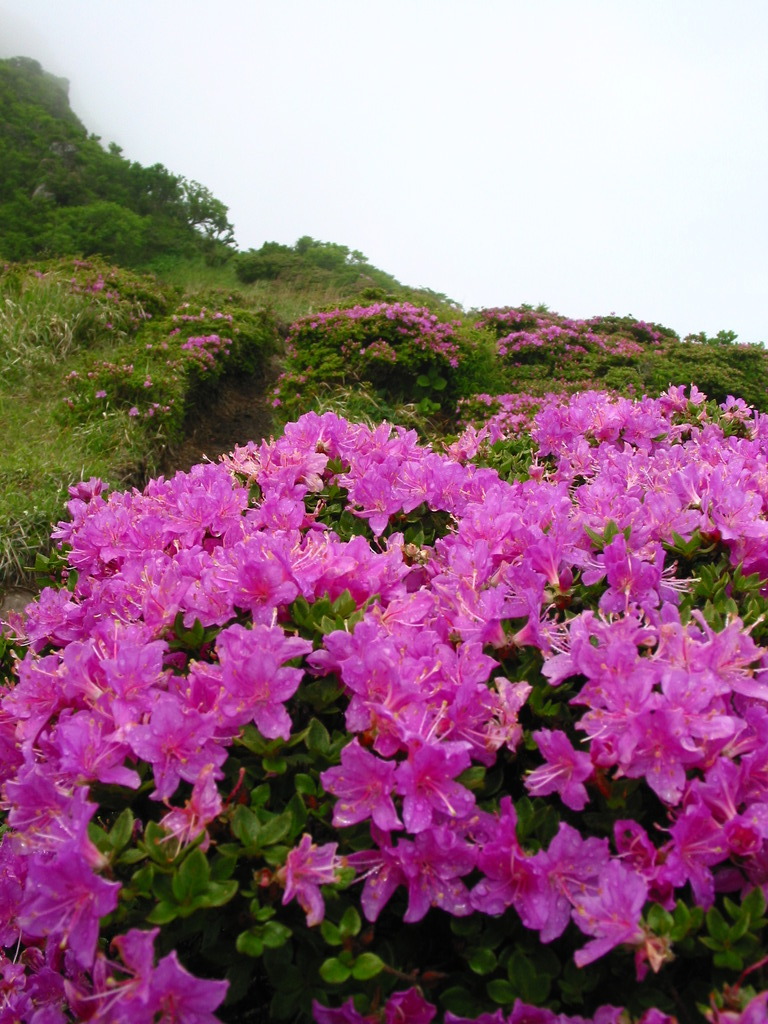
[{"x": 240, "y": 410}]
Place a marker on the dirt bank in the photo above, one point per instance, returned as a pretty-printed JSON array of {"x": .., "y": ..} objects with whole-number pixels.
[{"x": 240, "y": 410}]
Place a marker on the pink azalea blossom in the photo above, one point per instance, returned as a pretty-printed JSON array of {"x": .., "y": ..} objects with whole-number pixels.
[{"x": 307, "y": 867}]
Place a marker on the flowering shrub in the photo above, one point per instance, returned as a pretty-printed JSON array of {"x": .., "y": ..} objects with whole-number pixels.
[
  {"x": 540, "y": 351},
  {"x": 178, "y": 355},
  {"x": 406, "y": 352},
  {"x": 363, "y": 732}
]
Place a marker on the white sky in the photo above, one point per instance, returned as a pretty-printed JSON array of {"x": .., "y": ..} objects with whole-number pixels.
[{"x": 596, "y": 155}]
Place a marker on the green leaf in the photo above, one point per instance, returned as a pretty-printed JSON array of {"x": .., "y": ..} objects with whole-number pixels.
[
  {"x": 334, "y": 971},
  {"x": 331, "y": 933},
  {"x": 754, "y": 903},
  {"x": 156, "y": 844},
  {"x": 728, "y": 958},
  {"x": 305, "y": 784},
  {"x": 163, "y": 913},
  {"x": 192, "y": 877},
  {"x": 473, "y": 778},
  {"x": 246, "y": 825},
  {"x": 121, "y": 831},
  {"x": 250, "y": 943},
  {"x": 500, "y": 991},
  {"x": 739, "y": 929},
  {"x": 132, "y": 856},
  {"x": 660, "y": 921},
  {"x": 367, "y": 966},
  {"x": 276, "y": 934},
  {"x": 350, "y": 923},
  {"x": 271, "y": 935},
  {"x": 482, "y": 961},
  {"x": 99, "y": 838},
  {"x": 459, "y": 1001},
  {"x": 217, "y": 894},
  {"x": 717, "y": 925},
  {"x": 274, "y": 830}
]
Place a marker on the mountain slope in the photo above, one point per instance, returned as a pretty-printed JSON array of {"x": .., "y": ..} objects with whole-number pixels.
[{"x": 61, "y": 192}]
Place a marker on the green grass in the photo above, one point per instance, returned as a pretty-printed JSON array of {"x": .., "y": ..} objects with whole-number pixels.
[
  {"x": 77, "y": 343},
  {"x": 42, "y": 456}
]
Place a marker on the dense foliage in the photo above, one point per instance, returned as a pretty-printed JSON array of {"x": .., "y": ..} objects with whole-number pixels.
[
  {"x": 62, "y": 193},
  {"x": 407, "y": 354},
  {"x": 311, "y": 260},
  {"x": 345, "y": 722}
]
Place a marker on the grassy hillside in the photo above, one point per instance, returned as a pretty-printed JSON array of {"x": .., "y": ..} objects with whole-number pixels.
[{"x": 100, "y": 369}]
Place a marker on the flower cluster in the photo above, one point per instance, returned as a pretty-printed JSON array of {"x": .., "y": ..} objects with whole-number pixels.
[
  {"x": 540, "y": 702},
  {"x": 540, "y": 351},
  {"x": 206, "y": 348}
]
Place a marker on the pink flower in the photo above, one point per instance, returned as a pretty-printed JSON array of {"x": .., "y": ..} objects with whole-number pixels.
[
  {"x": 362, "y": 784},
  {"x": 186, "y": 823},
  {"x": 178, "y": 742},
  {"x": 307, "y": 867},
  {"x": 612, "y": 913},
  {"x": 565, "y": 772},
  {"x": 426, "y": 781},
  {"x": 64, "y": 901},
  {"x": 178, "y": 996}
]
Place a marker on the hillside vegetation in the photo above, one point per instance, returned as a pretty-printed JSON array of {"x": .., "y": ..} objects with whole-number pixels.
[{"x": 62, "y": 192}]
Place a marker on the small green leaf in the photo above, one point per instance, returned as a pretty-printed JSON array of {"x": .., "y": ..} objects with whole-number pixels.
[
  {"x": 305, "y": 784},
  {"x": 738, "y": 929},
  {"x": 482, "y": 961},
  {"x": 473, "y": 778},
  {"x": 192, "y": 877},
  {"x": 121, "y": 831},
  {"x": 350, "y": 923},
  {"x": 717, "y": 925},
  {"x": 728, "y": 958},
  {"x": 660, "y": 921},
  {"x": 459, "y": 1001},
  {"x": 276, "y": 934},
  {"x": 500, "y": 991},
  {"x": 250, "y": 943},
  {"x": 331, "y": 933},
  {"x": 754, "y": 903},
  {"x": 334, "y": 971},
  {"x": 274, "y": 830},
  {"x": 163, "y": 913},
  {"x": 367, "y": 966}
]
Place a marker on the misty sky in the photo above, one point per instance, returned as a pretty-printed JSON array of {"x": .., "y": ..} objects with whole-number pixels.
[{"x": 598, "y": 156}]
